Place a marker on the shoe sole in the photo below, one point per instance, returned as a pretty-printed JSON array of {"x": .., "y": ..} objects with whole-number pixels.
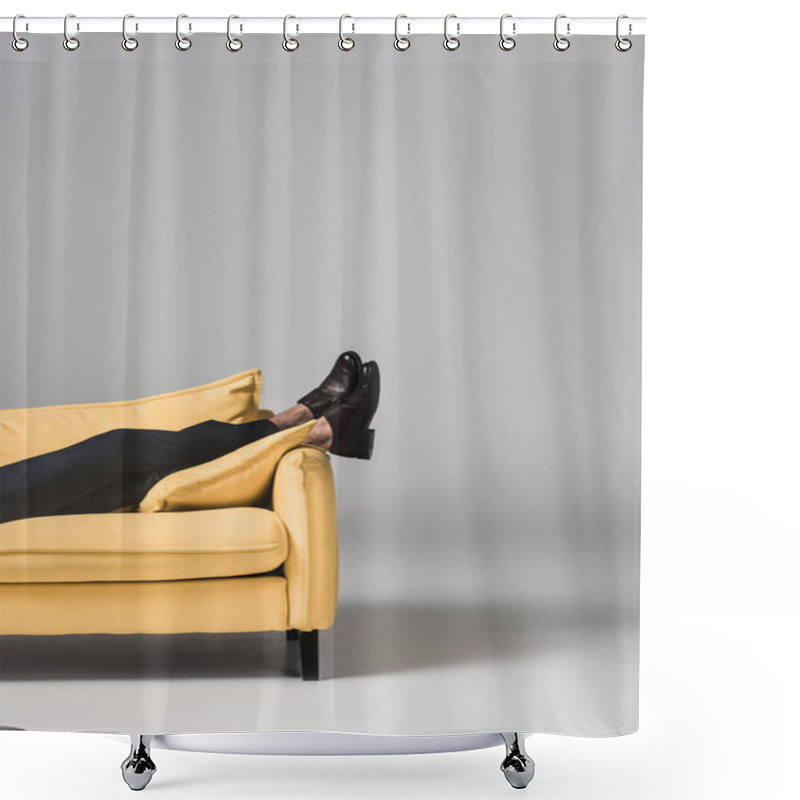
[
  {"x": 366, "y": 445},
  {"x": 376, "y": 391}
]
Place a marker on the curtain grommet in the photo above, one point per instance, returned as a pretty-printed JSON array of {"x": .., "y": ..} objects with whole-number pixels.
[
  {"x": 129, "y": 43},
  {"x": 289, "y": 44},
  {"x": 561, "y": 43},
  {"x": 183, "y": 43},
  {"x": 346, "y": 43},
  {"x": 233, "y": 44},
  {"x": 450, "y": 42},
  {"x": 507, "y": 42},
  {"x": 622, "y": 44},
  {"x": 17, "y": 42},
  {"x": 70, "y": 43},
  {"x": 401, "y": 43}
]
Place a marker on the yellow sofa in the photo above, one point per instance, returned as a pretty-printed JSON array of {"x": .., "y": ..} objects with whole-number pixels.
[{"x": 272, "y": 567}]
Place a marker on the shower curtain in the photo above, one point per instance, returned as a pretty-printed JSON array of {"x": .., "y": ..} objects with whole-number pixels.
[{"x": 468, "y": 219}]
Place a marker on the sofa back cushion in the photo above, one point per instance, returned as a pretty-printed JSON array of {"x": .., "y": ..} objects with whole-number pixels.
[{"x": 28, "y": 432}]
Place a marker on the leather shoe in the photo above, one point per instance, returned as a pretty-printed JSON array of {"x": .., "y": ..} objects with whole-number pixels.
[
  {"x": 349, "y": 419},
  {"x": 341, "y": 380}
]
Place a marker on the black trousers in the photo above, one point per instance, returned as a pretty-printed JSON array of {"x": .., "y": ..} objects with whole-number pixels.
[{"x": 116, "y": 468}]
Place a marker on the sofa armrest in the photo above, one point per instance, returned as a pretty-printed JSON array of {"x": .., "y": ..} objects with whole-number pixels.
[{"x": 304, "y": 499}]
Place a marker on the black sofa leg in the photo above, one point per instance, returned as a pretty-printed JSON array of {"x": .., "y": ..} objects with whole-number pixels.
[
  {"x": 309, "y": 655},
  {"x": 292, "y": 635}
]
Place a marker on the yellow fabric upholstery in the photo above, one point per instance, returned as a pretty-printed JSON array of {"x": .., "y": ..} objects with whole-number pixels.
[
  {"x": 303, "y": 497},
  {"x": 239, "y": 478},
  {"x": 141, "y": 547},
  {"x": 28, "y": 432},
  {"x": 120, "y": 599},
  {"x": 225, "y": 605}
]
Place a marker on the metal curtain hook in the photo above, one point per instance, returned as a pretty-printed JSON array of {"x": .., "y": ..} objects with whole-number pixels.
[
  {"x": 346, "y": 42},
  {"x": 401, "y": 42},
  {"x": 451, "y": 42},
  {"x": 70, "y": 42},
  {"x": 233, "y": 44},
  {"x": 128, "y": 42},
  {"x": 17, "y": 42},
  {"x": 290, "y": 44},
  {"x": 561, "y": 43},
  {"x": 181, "y": 42},
  {"x": 622, "y": 44},
  {"x": 507, "y": 42}
]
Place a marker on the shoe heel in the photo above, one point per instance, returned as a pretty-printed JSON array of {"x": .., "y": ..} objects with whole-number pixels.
[{"x": 366, "y": 444}]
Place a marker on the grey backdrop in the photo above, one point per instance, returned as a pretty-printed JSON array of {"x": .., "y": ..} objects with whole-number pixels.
[{"x": 469, "y": 219}]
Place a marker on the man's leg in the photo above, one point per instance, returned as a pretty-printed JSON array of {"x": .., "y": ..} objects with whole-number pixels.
[
  {"x": 114, "y": 463},
  {"x": 124, "y": 492},
  {"x": 51, "y": 482}
]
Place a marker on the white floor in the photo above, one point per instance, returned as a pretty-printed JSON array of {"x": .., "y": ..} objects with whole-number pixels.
[{"x": 719, "y": 707}]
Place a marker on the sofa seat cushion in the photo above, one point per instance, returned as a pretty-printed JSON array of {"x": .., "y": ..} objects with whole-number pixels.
[{"x": 142, "y": 547}]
